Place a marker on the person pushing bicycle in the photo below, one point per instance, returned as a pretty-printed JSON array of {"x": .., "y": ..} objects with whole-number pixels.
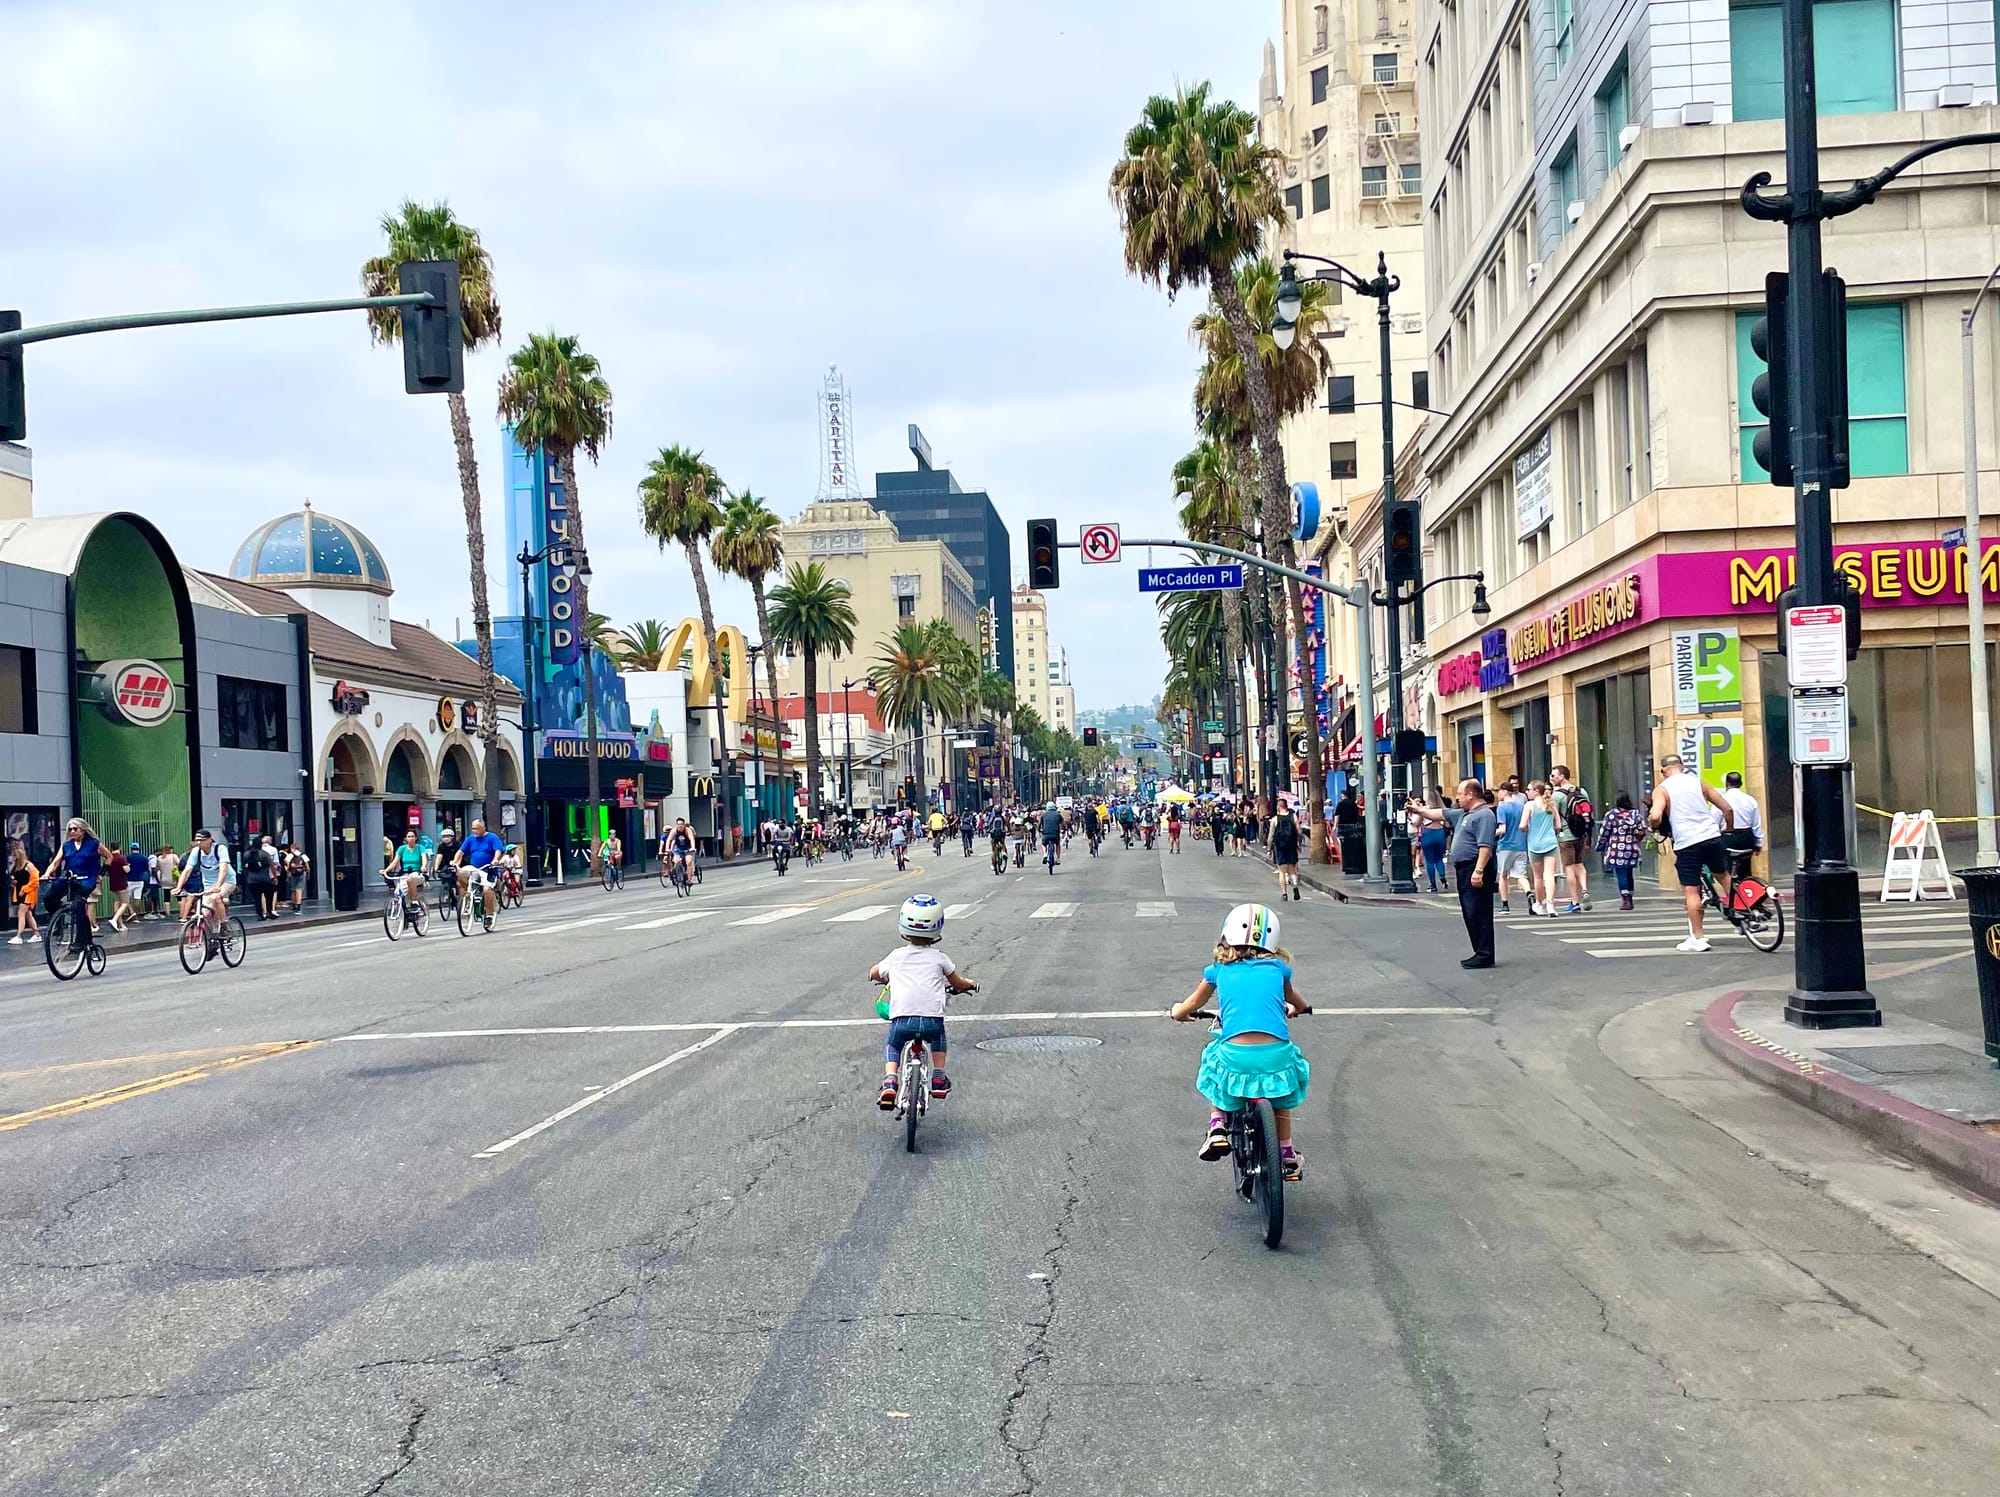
[
  {"x": 1252, "y": 1054},
  {"x": 920, "y": 979}
]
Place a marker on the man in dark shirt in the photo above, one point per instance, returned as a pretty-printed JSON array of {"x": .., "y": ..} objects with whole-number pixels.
[{"x": 1472, "y": 866}]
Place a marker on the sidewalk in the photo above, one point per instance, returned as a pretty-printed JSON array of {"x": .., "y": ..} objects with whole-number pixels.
[
  {"x": 1920, "y": 1086},
  {"x": 166, "y": 931}
]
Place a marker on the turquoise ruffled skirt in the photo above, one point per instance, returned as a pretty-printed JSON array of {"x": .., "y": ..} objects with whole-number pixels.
[{"x": 1231, "y": 1073}]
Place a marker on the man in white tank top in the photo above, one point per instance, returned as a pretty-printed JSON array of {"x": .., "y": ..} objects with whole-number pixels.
[{"x": 1699, "y": 816}]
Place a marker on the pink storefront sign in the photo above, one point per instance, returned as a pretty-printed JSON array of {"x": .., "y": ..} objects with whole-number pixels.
[{"x": 1887, "y": 574}]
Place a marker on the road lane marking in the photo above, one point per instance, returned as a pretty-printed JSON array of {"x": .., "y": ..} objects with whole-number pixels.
[
  {"x": 1156, "y": 909},
  {"x": 146, "y": 1086},
  {"x": 590, "y": 1099},
  {"x": 680, "y": 919},
  {"x": 133, "y": 1060},
  {"x": 782, "y": 912},
  {"x": 1055, "y": 910},
  {"x": 557, "y": 1031},
  {"x": 865, "y": 912},
  {"x": 953, "y": 911},
  {"x": 549, "y": 930}
]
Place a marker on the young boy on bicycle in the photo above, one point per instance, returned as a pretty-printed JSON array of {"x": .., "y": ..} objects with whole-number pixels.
[{"x": 920, "y": 979}]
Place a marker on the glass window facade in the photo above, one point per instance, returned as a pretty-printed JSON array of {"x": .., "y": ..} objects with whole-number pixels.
[
  {"x": 250, "y": 714},
  {"x": 1860, "y": 34},
  {"x": 17, "y": 690}
]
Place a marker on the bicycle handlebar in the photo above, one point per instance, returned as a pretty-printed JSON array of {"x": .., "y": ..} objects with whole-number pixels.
[{"x": 1209, "y": 1013}]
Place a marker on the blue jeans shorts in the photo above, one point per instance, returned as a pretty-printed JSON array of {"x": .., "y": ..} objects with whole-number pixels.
[{"x": 912, "y": 1027}]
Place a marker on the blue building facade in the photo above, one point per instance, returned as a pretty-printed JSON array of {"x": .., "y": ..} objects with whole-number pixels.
[{"x": 928, "y": 505}]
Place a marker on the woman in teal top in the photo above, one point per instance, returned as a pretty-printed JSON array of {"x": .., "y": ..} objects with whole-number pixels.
[
  {"x": 407, "y": 862},
  {"x": 1252, "y": 1055}
]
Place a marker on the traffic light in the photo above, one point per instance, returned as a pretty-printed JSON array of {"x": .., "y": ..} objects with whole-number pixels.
[
  {"x": 13, "y": 385},
  {"x": 1770, "y": 391},
  {"x": 433, "y": 336},
  {"x": 1044, "y": 559},
  {"x": 1090, "y": 738},
  {"x": 1833, "y": 379},
  {"x": 1402, "y": 548}
]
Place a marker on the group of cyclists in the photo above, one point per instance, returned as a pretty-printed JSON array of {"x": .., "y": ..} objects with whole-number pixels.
[{"x": 479, "y": 862}]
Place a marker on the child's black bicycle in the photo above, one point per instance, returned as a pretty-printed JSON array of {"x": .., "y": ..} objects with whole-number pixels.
[{"x": 1255, "y": 1157}]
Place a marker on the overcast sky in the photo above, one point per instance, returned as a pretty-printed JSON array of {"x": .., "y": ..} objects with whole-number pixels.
[{"x": 719, "y": 197}]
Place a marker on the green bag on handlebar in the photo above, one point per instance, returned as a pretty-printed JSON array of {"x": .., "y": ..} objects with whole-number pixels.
[{"x": 882, "y": 1004}]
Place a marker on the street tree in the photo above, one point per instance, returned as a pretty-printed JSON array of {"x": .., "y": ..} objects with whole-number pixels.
[
  {"x": 810, "y": 613},
  {"x": 746, "y": 545}
]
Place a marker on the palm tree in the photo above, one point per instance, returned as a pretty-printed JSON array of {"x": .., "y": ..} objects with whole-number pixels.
[
  {"x": 418, "y": 231},
  {"x": 678, "y": 502},
  {"x": 555, "y": 395},
  {"x": 1195, "y": 191},
  {"x": 922, "y": 669},
  {"x": 642, "y": 646},
  {"x": 809, "y": 614},
  {"x": 996, "y": 695},
  {"x": 746, "y": 545}
]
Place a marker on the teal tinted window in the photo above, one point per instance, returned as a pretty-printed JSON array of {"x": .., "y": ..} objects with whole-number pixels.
[
  {"x": 1614, "y": 113},
  {"x": 1854, "y": 46},
  {"x": 1878, "y": 434}
]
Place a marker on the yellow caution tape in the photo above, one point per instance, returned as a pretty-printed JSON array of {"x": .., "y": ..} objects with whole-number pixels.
[{"x": 1938, "y": 820}]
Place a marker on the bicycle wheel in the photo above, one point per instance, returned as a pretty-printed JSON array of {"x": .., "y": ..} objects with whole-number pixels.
[
  {"x": 392, "y": 917},
  {"x": 914, "y": 1084},
  {"x": 59, "y": 946},
  {"x": 1268, "y": 1184},
  {"x": 235, "y": 942},
  {"x": 1763, "y": 924},
  {"x": 420, "y": 917},
  {"x": 194, "y": 945},
  {"x": 461, "y": 912},
  {"x": 608, "y": 876},
  {"x": 94, "y": 959}
]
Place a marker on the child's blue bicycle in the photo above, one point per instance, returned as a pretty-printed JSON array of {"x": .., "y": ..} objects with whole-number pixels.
[{"x": 1254, "y": 1155}]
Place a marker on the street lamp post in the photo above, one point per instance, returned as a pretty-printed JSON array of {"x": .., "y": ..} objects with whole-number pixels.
[
  {"x": 847, "y": 717},
  {"x": 1284, "y": 330},
  {"x": 531, "y": 628},
  {"x": 1975, "y": 598}
]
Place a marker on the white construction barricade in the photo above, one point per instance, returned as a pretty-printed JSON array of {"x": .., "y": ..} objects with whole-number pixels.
[{"x": 1915, "y": 869}]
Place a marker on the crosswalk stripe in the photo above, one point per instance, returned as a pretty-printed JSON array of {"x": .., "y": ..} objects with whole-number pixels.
[
  {"x": 866, "y": 912},
  {"x": 783, "y": 912},
  {"x": 547, "y": 930},
  {"x": 953, "y": 911},
  {"x": 1156, "y": 909},
  {"x": 1054, "y": 910},
  {"x": 682, "y": 918}
]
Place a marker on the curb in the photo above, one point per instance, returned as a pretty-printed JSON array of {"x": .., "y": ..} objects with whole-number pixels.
[
  {"x": 1323, "y": 878},
  {"x": 1966, "y": 1155}
]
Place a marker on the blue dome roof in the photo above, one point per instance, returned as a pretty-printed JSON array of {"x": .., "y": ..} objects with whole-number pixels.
[{"x": 309, "y": 549}]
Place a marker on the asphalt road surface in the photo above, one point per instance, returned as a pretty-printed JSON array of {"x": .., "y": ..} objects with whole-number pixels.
[{"x": 602, "y": 1203}]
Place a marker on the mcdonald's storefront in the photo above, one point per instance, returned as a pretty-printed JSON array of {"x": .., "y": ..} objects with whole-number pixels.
[{"x": 1677, "y": 652}]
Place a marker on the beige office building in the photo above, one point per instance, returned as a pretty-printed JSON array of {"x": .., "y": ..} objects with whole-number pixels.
[
  {"x": 1034, "y": 654},
  {"x": 1593, "y": 280},
  {"x": 1339, "y": 99},
  {"x": 891, "y": 582}
]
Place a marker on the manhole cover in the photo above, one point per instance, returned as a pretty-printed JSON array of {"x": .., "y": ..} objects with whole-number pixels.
[{"x": 1035, "y": 1044}]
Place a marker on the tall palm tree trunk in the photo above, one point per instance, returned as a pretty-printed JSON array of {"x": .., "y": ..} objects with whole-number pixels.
[
  {"x": 812, "y": 731},
  {"x": 771, "y": 682},
  {"x": 482, "y": 613},
  {"x": 715, "y": 675},
  {"x": 1266, "y": 610},
  {"x": 1277, "y": 537}
]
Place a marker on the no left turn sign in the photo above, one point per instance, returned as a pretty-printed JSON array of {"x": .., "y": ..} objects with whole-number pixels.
[{"x": 1099, "y": 542}]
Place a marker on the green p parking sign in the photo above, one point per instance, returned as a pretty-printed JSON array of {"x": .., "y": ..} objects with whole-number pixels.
[{"x": 1708, "y": 672}]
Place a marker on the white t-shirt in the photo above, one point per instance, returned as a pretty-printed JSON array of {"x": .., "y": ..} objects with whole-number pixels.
[{"x": 916, "y": 981}]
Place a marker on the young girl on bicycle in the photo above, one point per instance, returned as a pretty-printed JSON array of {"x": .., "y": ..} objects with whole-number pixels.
[
  {"x": 1252, "y": 1055},
  {"x": 920, "y": 978}
]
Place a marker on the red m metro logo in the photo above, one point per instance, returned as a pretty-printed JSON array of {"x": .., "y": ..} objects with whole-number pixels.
[{"x": 138, "y": 691}]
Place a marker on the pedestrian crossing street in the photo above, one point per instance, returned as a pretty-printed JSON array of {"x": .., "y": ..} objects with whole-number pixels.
[{"x": 1659, "y": 925}]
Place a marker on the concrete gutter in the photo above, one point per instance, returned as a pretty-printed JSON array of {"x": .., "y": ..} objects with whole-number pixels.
[{"x": 1967, "y": 1155}]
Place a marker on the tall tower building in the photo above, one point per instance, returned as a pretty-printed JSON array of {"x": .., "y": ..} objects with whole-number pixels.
[{"x": 1338, "y": 98}]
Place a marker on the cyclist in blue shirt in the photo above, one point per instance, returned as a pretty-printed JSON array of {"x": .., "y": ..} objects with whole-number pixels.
[
  {"x": 82, "y": 860},
  {"x": 476, "y": 858}
]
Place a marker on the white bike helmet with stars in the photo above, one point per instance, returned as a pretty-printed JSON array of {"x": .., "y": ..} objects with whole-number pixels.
[
  {"x": 922, "y": 916},
  {"x": 1249, "y": 925}
]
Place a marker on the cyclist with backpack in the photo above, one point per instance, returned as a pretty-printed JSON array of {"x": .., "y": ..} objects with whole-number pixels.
[{"x": 1576, "y": 830}]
